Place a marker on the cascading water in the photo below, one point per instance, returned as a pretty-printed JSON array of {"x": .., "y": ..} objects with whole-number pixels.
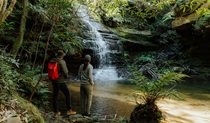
[{"x": 105, "y": 71}]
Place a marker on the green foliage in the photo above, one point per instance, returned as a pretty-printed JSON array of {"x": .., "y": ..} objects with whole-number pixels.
[
  {"x": 8, "y": 76},
  {"x": 8, "y": 26},
  {"x": 41, "y": 98},
  {"x": 163, "y": 34},
  {"x": 170, "y": 36},
  {"x": 190, "y": 6},
  {"x": 27, "y": 82},
  {"x": 41, "y": 16},
  {"x": 146, "y": 57},
  {"x": 5, "y": 28},
  {"x": 186, "y": 7},
  {"x": 112, "y": 9},
  {"x": 67, "y": 41},
  {"x": 204, "y": 18},
  {"x": 200, "y": 9},
  {"x": 151, "y": 91},
  {"x": 148, "y": 9},
  {"x": 12, "y": 81},
  {"x": 55, "y": 8}
]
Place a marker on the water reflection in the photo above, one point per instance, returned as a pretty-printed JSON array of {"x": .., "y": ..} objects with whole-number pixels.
[
  {"x": 116, "y": 97},
  {"x": 110, "y": 97}
]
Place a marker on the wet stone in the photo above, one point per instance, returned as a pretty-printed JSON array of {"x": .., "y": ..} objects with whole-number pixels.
[{"x": 76, "y": 118}]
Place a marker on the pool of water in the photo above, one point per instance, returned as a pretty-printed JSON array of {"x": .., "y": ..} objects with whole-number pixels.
[
  {"x": 113, "y": 97},
  {"x": 109, "y": 99}
]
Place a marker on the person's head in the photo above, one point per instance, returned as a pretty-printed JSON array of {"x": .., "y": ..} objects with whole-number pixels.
[
  {"x": 87, "y": 58},
  {"x": 60, "y": 54}
]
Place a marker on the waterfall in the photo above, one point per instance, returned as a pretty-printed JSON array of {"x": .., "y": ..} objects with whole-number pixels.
[{"x": 105, "y": 70}]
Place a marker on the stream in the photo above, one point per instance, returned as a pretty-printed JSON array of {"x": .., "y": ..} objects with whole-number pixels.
[{"x": 115, "y": 97}]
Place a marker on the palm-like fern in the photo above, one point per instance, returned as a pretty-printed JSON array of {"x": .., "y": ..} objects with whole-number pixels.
[{"x": 150, "y": 92}]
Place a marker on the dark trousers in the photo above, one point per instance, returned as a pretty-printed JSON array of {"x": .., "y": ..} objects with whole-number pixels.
[{"x": 60, "y": 87}]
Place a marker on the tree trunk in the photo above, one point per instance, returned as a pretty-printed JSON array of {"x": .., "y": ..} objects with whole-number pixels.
[
  {"x": 45, "y": 54},
  {"x": 37, "y": 47},
  {"x": 55, "y": 18},
  {"x": 17, "y": 44},
  {"x": 4, "y": 13}
]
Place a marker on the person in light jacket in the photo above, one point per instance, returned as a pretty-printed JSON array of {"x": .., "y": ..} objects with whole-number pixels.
[{"x": 85, "y": 75}]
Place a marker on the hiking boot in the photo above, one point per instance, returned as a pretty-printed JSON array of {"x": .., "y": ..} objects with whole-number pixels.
[
  {"x": 85, "y": 114},
  {"x": 88, "y": 115},
  {"x": 57, "y": 114},
  {"x": 69, "y": 112}
]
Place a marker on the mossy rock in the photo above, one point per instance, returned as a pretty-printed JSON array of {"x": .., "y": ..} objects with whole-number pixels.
[
  {"x": 134, "y": 36},
  {"x": 32, "y": 111}
]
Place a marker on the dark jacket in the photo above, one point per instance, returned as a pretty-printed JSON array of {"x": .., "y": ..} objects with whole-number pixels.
[{"x": 62, "y": 69}]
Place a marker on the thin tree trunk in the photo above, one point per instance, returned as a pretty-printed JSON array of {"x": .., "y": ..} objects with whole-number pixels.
[
  {"x": 37, "y": 47},
  {"x": 17, "y": 44},
  {"x": 55, "y": 18},
  {"x": 3, "y": 12},
  {"x": 45, "y": 54}
]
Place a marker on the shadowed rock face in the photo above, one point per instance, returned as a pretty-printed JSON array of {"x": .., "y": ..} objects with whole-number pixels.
[
  {"x": 195, "y": 37},
  {"x": 198, "y": 48}
]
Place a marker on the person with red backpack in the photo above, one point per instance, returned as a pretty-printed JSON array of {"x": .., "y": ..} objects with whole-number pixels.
[{"x": 58, "y": 74}]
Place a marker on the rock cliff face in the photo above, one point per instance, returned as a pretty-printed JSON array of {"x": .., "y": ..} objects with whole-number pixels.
[
  {"x": 194, "y": 27},
  {"x": 135, "y": 41}
]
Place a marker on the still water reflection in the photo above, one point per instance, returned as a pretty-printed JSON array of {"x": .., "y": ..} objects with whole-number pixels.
[
  {"x": 113, "y": 97},
  {"x": 109, "y": 98}
]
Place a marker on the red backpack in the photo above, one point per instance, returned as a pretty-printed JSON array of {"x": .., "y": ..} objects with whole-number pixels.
[{"x": 53, "y": 73}]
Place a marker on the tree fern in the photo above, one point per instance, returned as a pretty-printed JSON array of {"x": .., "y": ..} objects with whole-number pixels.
[{"x": 155, "y": 90}]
